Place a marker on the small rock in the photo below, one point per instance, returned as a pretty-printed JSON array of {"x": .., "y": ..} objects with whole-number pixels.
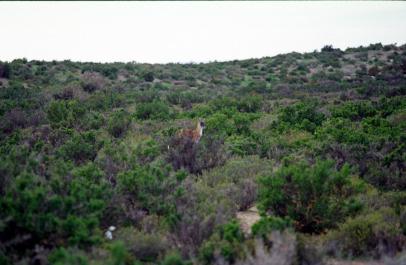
[{"x": 109, "y": 232}]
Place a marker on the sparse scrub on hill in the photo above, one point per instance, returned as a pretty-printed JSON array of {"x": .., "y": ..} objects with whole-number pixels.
[{"x": 315, "y": 140}]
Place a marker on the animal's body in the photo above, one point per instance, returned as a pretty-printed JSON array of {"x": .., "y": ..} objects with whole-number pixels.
[{"x": 193, "y": 134}]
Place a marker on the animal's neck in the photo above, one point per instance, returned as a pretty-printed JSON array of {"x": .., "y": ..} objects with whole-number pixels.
[{"x": 199, "y": 129}]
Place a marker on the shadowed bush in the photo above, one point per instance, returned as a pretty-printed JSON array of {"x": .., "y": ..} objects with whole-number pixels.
[{"x": 196, "y": 157}]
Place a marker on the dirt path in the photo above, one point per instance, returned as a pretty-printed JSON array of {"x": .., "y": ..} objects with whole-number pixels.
[{"x": 248, "y": 218}]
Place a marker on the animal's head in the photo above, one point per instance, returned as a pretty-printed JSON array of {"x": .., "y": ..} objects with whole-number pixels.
[{"x": 202, "y": 124}]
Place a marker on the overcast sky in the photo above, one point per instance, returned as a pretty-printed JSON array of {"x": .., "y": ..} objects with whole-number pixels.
[{"x": 161, "y": 32}]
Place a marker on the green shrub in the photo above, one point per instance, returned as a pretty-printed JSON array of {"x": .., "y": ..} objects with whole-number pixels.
[
  {"x": 156, "y": 110},
  {"x": 174, "y": 259},
  {"x": 146, "y": 247},
  {"x": 250, "y": 104},
  {"x": 257, "y": 86},
  {"x": 270, "y": 223},
  {"x": 63, "y": 210},
  {"x": 238, "y": 179},
  {"x": 145, "y": 96},
  {"x": 374, "y": 234},
  {"x": 221, "y": 124},
  {"x": 354, "y": 111},
  {"x": 93, "y": 120},
  {"x": 80, "y": 148},
  {"x": 149, "y": 187},
  {"x": 229, "y": 121},
  {"x": 303, "y": 115},
  {"x": 147, "y": 151},
  {"x": 227, "y": 243},
  {"x": 342, "y": 131},
  {"x": 118, "y": 123},
  {"x": 148, "y": 76},
  {"x": 185, "y": 99},
  {"x": 315, "y": 197},
  {"x": 241, "y": 145},
  {"x": 105, "y": 100},
  {"x": 63, "y": 113},
  {"x": 62, "y": 256}
]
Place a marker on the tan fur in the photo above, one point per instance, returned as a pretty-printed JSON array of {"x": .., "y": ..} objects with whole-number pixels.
[{"x": 193, "y": 134}]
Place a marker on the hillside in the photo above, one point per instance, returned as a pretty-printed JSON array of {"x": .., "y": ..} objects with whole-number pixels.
[{"x": 315, "y": 141}]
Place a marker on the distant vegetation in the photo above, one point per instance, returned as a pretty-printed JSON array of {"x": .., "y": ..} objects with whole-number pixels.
[{"x": 316, "y": 141}]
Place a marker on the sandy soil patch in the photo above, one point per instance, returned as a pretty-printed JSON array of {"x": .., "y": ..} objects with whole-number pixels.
[{"x": 248, "y": 218}]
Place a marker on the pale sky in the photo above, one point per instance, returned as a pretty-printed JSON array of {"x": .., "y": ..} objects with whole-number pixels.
[{"x": 162, "y": 32}]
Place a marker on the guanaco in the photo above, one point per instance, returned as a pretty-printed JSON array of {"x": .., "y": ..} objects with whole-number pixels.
[{"x": 193, "y": 134}]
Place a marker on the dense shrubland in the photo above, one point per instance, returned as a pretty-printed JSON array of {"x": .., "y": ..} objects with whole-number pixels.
[{"x": 317, "y": 141}]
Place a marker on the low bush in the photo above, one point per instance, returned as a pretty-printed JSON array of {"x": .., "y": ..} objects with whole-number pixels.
[
  {"x": 66, "y": 210},
  {"x": 65, "y": 113},
  {"x": 80, "y": 148},
  {"x": 174, "y": 259},
  {"x": 302, "y": 115},
  {"x": 156, "y": 110},
  {"x": 93, "y": 81},
  {"x": 266, "y": 225},
  {"x": 118, "y": 123},
  {"x": 375, "y": 234},
  {"x": 143, "y": 246},
  {"x": 196, "y": 157},
  {"x": 238, "y": 178},
  {"x": 315, "y": 197},
  {"x": 226, "y": 243},
  {"x": 5, "y": 70},
  {"x": 147, "y": 190},
  {"x": 354, "y": 110}
]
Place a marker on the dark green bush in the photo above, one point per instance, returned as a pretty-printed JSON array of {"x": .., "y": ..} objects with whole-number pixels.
[
  {"x": 5, "y": 70},
  {"x": 156, "y": 110},
  {"x": 256, "y": 86},
  {"x": 62, "y": 256},
  {"x": 226, "y": 243},
  {"x": 80, "y": 148},
  {"x": 118, "y": 123},
  {"x": 302, "y": 115},
  {"x": 149, "y": 188},
  {"x": 270, "y": 223},
  {"x": 64, "y": 210},
  {"x": 342, "y": 131},
  {"x": 315, "y": 197},
  {"x": 229, "y": 121},
  {"x": 354, "y": 110},
  {"x": 148, "y": 76},
  {"x": 174, "y": 259}
]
